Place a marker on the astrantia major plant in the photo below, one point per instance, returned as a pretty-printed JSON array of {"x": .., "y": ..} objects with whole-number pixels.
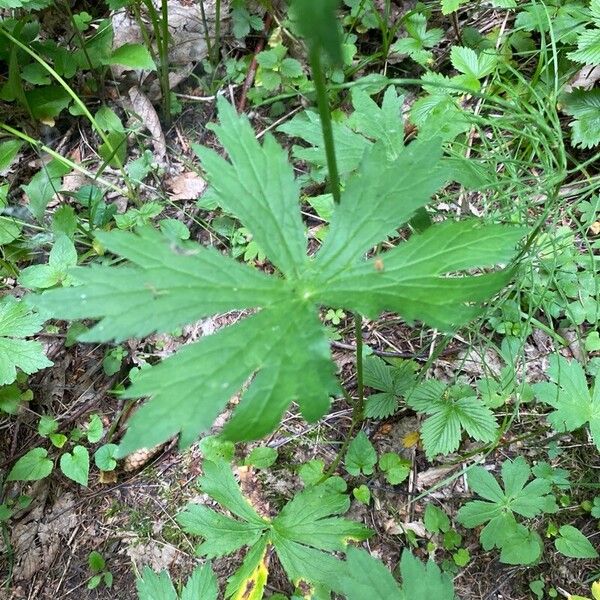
[{"x": 281, "y": 349}]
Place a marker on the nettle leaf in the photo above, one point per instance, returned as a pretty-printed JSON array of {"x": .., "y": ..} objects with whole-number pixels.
[
  {"x": 170, "y": 283},
  {"x": 571, "y": 542},
  {"x": 302, "y": 535},
  {"x": 16, "y": 323},
  {"x": 519, "y": 545},
  {"x": 568, "y": 393},
  {"x": 451, "y": 411}
]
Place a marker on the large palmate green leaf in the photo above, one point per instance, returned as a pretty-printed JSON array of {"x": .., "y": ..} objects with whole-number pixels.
[
  {"x": 575, "y": 405},
  {"x": 305, "y": 531},
  {"x": 281, "y": 349},
  {"x": 16, "y": 323},
  {"x": 366, "y": 577},
  {"x": 518, "y": 544}
]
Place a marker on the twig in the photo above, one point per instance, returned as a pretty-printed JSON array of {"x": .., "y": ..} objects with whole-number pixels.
[{"x": 254, "y": 64}]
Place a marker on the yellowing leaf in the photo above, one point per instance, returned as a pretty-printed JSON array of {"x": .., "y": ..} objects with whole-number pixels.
[
  {"x": 253, "y": 587},
  {"x": 411, "y": 439},
  {"x": 596, "y": 590}
]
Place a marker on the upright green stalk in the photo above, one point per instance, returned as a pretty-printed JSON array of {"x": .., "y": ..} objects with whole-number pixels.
[
  {"x": 217, "y": 43},
  {"x": 78, "y": 35},
  {"x": 325, "y": 114},
  {"x": 334, "y": 179},
  {"x": 160, "y": 26},
  {"x": 360, "y": 388},
  {"x": 206, "y": 31},
  {"x": 164, "y": 62}
]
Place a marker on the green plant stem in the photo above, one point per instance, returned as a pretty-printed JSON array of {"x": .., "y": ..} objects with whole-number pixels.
[
  {"x": 78, "y": 35},
  {"x": 360, "y": 388},
  {"x": 137, "y": 15},
  {"x": 75, "y": 166},
  {"x": 217, "y": 44},
  {"x": 160, "y": 26},
  {"x": 77, "y": 100},
  {"x": 325, "y": 114},
  {"x": 334, "y": 181},
  {"x": 164, "y": 62},
  {"x": 206, "y": 31}
]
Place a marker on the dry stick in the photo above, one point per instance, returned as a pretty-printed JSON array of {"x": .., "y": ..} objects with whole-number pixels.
[
  {"x": 254, "y": 64},
  {"x": 456, "y": 27}
]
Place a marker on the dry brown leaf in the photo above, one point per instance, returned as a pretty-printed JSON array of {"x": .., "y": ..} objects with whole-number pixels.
[
  {"x": 595, "y": 227},
  {"x": 251, "y": 488},
  {"x": 148, "y": 117},
  {"x": 585, "y": 78},
  {"x": 392, "y": 527},
  {"x": 186, "y": 186},
  {"x": 432, "y": 476}
]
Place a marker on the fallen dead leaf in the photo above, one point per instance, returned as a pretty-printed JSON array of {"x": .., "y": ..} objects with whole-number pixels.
[
  {"x": 585, "y": 78},
  {"x": 186, "y": 186},
  {"x": 432, "y": 476},
  {"x": 149, "y": 119},
  {"x": 392, "y": 527},
  {"x": 411, "y": 439}
]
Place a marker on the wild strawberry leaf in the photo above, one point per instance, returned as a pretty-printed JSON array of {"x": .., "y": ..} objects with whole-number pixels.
[
  {"x": 588, "y": 40},
  {"x": 393, "y": 381},
  {"x": 569, "y": 394},
  {"x": 282, "y": 349},
  {"x": 584, "y": 107},
  {"x": 451, "y": 410}
]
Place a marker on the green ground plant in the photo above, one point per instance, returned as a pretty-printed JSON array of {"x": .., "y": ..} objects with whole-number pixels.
[{"x": 435, "y": 132}]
